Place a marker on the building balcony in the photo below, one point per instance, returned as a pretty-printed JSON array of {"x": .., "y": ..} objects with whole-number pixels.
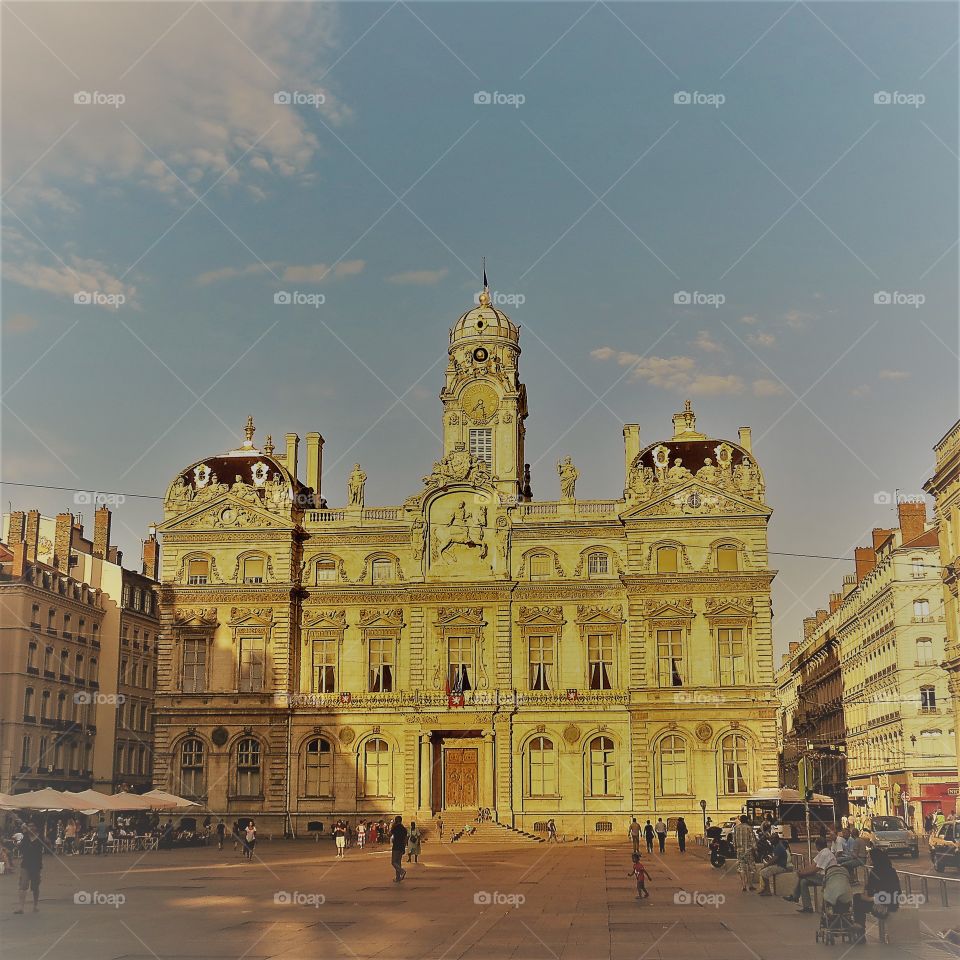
[
  {"x": 33, "y": 671},
  {"x": 49, "y": 674},
  {"x": 29, "y": 718}
]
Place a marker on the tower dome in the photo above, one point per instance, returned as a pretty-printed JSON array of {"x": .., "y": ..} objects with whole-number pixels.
[{"x": 484, "y": 322}]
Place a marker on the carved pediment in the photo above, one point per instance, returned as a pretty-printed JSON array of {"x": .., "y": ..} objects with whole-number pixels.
[
  {"x": 668, "y": 609},
  {"x": 696, "y": 499},
  {"x": 729, "y": 607},
  {"x": 226, "y": 513},
  {"x": 544, "y": 615},
  {"x": 203, "y": 616},
  {"x": 392, "y": 617},
  {"x": 467, "y": 615},
  {"x": 325, "y": 618},
  {"x": 251, "y": 615},
  {"x": 587, "y": 613}
]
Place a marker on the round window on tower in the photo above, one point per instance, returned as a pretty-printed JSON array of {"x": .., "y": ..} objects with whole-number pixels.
[
  {"x": 479, "y": 324},
  {"x": 480, "y": 354}
]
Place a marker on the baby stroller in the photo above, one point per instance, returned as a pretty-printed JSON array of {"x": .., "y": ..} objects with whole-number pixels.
[
  {"x": 836, "y": 917},
  {"x": 720, "y": 849}
]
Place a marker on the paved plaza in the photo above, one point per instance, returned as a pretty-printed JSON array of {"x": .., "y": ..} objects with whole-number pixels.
[{"x": 462, "y": 901}]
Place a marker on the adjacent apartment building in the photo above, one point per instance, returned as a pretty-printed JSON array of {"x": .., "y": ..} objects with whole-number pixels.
[
  {"x": 78, "y": 658},
  {"x": 865, "y": 692}
]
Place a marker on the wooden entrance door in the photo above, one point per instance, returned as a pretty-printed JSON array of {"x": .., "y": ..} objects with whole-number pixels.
[{"x": 460, "y": 772}]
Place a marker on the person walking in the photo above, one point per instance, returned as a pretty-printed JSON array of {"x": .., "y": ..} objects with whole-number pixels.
[
  {"x": 648, "y": 835},
  {"x": 552, "y": 831},
  {"x": 413, "y": 843},
  {"x": 31, "y": 863},
  {"x": 340, "y": 836},
  {"x": 633, "y": 832},
  {"x": 70, "y": 836},
  {"x": 221, "y": 833},
  {"x": 440, "y": 827},
  {"x": 398, "y": 843},
  {"x": 682, "y": 832},
  {"x": 249, "y": 839},
  {"x": 103, "y": 831},
  {"x": 660, "y": 828},
  {"x": 361, "y": 834},
  {"x": 745, "y": 840},
  {"x": 639, "y": 871}
]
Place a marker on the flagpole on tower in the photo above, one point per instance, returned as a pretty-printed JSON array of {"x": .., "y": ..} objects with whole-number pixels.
[{"x": 486, "y": 286}]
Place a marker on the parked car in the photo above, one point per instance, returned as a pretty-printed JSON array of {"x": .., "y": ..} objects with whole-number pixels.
[
  {"x": 892, "y": 835},
  {"x": 945, "y": 848}
]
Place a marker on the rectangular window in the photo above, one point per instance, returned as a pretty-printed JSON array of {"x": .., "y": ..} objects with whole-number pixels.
[
  {"x": 667, "y": 560},
  {"x": 381, "y": 666},
  {"x": 481, "y": 445},
  {"x": 460, "y": 663},
  {"x": 26, "y": 754},
  {"x": 540, "y": 567},
  {"x": 728, "y": 558},
  {"x": 252, "y": 659},
  {"x": 733, "y": 664},
  {"x": 597, "y": 564},
  {"x": 324, "y": 666},
  {"x": 253, "y": 570},
  {"x": 326, "y": 571},
  {"x": 198, "y": 572},
  {"x": 542, "y": 661},
  {"x": 381, "y": 571},
  {"x": 928, "y": 698},
  {"x": 194, "y": 665},
  {"x": 670, "y": 666},
  {"x": 600, "y": 660}
]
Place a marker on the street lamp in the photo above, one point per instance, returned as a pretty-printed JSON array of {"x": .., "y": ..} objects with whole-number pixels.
[{"x": 703, "y": 810}]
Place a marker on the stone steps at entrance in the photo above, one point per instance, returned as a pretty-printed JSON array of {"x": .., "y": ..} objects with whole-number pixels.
[{"x": 489, "y": 831}]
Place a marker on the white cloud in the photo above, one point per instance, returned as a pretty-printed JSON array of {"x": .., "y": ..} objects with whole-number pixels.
[
  {"x": 68, "y": 278},
  {"x": 712, "y": 384},
  {"x": 894, "y": 374},
  {"x": 861, "y": 391},
  {"x": 318, "y": 272},
  {"x": 678, "y": 373},
  {"x": 706, "y": 343},
  {"x": 19, "y": 323},
  {"x": 420, "y": 278},
  {"x": 765, "y": 387},
  {"x": 797, "y": 319},
  {"x": 761, "y": 339},
  {"x": 228, "y": 273},
  {"x": 751, "y": 319},
  {"x": 199, "y": 92}
]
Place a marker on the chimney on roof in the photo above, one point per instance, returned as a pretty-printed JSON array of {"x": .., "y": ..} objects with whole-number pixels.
[
  {"x": 879, "y": 536},
  {"x": 32, "y": 536},
  {"x": 864, "y": 561},
  {"x": 835, "y": 601},
  {"x": 115, "y": 556},
  {"x": 631, "y": 446},
  {"x": 794, "y": 644},
  {"x": 63, "y": 541},
  {"x": 315, "y": 465},
  {"x": 746, "y": 439},
  {"x": 809, "y": 627},
  {"x": 19, "y": 563},
  {"x": 101, "y": 532},
  {"x": 821, "y": 616},
  {"x": 913, "y": 519},
  {"x": 151, "y": 555},
  {"x": 290, "y": 461},
  {"x": 18, "y": 524}
]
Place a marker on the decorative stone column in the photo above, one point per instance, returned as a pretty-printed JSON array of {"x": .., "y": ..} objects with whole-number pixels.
[
  {"x": 425, "y": 778},
  {"x": 487, "y": 791}
]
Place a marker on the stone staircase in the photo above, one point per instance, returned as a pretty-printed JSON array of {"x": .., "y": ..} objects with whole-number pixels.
[{"x": 489, "y": 831}]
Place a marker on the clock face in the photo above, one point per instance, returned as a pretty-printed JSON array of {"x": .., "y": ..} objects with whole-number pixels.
[{"x": 479, "y": 402}]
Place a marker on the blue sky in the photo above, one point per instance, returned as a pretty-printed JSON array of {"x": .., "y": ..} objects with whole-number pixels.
[{"x": 797, "y": 200}]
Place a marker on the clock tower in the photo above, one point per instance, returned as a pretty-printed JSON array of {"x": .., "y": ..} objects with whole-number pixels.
[{"x": 484, "y": 402}]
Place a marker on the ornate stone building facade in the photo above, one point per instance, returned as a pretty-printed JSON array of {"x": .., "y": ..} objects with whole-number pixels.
[{"x": 577, "y": 659}]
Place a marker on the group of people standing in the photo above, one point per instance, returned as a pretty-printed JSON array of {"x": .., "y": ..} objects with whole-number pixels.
[{"x": 657, "y": 831}]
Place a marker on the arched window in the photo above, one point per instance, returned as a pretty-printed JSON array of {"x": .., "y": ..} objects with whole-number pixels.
[
  {"x": 191, "y": 767},
  {"x": 598, "y": 564},
  {"x": 253, "y": 569},
  {"x": 543, "y": 767},
  {"x": 318, "y": 769},
  {"x": 45, "y": 706},
  {"x": 376, "y": 768},
  {"x": 924, "y": 651},
  {"x": 94, "y": 670},
  {"x": 667, "y": 560},
  {"x": 32, "y": 658},
  {"x": 249, "y": 771},
  {"x": 673, "y": 766},
  {"x": 540, "y": 566},
  {"x": 916, "y": 564},
  {"x": 728, "y": 557},
  {"x": 326, "y": 571},
  {"x": 381, "y": 570},
  {"x": 64, "y": 664},
  {"x": 602, "y": 767},
  {"x": 61, "y": 706},
  {"x": 733, "y": 756},
  {"x": 48, "y": 661},
  {"x": 198, "y": 571},
  {"x": 921, "y": 610}
]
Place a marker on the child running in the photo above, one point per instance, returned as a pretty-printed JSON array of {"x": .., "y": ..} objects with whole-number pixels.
[{"x": 640, "y": 872}]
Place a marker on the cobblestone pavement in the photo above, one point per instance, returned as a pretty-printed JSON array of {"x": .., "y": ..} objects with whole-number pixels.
[{"x": 475, "y": 902}]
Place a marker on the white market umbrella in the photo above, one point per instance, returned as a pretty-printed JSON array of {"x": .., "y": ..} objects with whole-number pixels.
[
  {"x": 168, "y": 801},
  {"x": 41, "y": 800}
]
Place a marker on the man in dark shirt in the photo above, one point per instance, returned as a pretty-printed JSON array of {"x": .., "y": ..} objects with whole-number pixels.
[
  {"x": 398, "y": 841},
  {"x": 776, "y": 863},
  {"x": 31, "y": 863}
]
